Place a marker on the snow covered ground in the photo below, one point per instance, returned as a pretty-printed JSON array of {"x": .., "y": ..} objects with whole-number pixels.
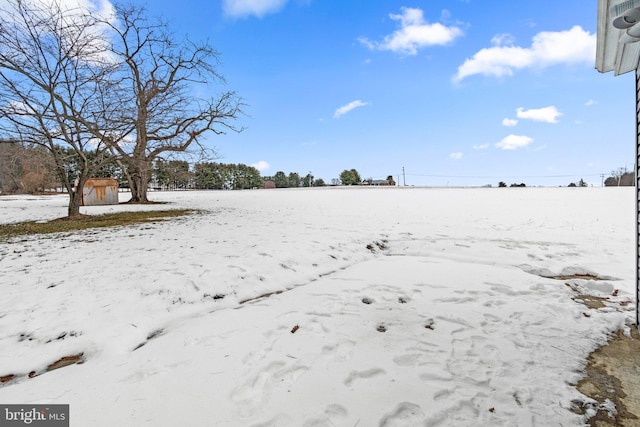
[{"x": 411, "y": 306}]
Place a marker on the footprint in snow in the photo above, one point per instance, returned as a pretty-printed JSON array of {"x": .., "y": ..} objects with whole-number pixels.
[
  {"x": 405, "y": 413},
  {"x": 357, "y": 375}
]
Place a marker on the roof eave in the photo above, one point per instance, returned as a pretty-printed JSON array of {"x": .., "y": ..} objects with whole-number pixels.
[{"x": 611, "y": 55}]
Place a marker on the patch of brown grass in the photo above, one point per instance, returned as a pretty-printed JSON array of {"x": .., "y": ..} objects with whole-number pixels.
[
  {"x": 83, "y": 222},
  {"x": 611, "y": 375}
]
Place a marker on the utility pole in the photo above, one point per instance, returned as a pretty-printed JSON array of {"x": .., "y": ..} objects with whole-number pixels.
[
  {"x": 404, "y": 177},
  {"x": 602, "y": 176}
]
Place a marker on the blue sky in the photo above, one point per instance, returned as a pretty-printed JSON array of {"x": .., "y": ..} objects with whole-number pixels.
[{"x": 456, "y": 92}]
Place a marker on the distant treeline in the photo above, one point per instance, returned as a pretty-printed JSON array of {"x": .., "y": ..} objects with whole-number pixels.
[
  {"x": 177, "y": 174},
  {"x": 293, "y": 180},
  {"x": 30, "y": 169},
  {"x": 620, "y": 178}
]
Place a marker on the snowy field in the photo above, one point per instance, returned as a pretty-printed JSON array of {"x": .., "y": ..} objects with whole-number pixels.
[{"x": 411, "y": 307}]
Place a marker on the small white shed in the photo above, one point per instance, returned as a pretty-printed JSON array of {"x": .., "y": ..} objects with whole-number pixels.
[{"x": 100, "y": 191}]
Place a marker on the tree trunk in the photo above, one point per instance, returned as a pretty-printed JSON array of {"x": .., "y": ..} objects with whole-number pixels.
[
  {"x": 75, "y": 201},
  {"x": 140, "y": 171},
  {"x": 74, "y": 190}
]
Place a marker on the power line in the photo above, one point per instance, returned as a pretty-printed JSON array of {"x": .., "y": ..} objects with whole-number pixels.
[{"x": 501, "y": 176}]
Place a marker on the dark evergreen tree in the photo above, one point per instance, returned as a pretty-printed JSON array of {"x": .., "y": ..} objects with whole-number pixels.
[
  {"x": 281, "y": 180},
  {"x": 294, "y": 180}
]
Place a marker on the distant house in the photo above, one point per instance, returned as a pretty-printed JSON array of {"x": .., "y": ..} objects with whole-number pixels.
[
  {"x": 269, "y": 185},
  {"x": 376, "y": 182},
  {"x": 380, "y": 182}
]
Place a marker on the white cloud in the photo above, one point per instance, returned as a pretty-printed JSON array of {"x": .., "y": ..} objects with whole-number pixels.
[
  {"x": 502, "y": 40},
  {"x": 591, "y": 102},
  {"x": 547, "y": 114},
  {"x": 16, "y": 107},
  {"x": 481, "y": 146},
  {"x": 456, "y": 156},
  {"x": 512, "y": 142},
  {"x": 261, "y": 165},
  {"x": 102, "y": 8},
  {"x": 547, "y": 48},
  {"x": 509, "y": 122},
  {"x": 350, "y": 106},
  {"x": 259, "y": 8},
  {"x": 77, "y": 14},
  {"x": 414, "y": 33}
]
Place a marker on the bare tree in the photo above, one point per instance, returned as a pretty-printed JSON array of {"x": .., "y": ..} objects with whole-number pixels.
[
  {"x": 11, "y": 168},
  {"x": 26, "y": 169},
  {"x": 163, "y": 110},
  {"x": 57, "y": 87}
]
